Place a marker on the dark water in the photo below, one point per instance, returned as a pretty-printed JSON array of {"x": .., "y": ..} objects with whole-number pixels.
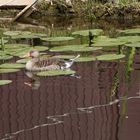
[{"x": 99, "y": 104}]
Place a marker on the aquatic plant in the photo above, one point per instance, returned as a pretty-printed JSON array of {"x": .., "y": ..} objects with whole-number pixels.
[
  {"x": 12, "y": 33},
  {"x": 128, "y": 39},
  {"x": 94, "y": 32},
  {"x": 57, "y": 39},
  {"x": 5, "y": 82},
  {"x": 23, "y": 61},
  {"x": 11, "y": 66},
  {"x": 5, "y": 57},
  {"x": 8, "y": 70},
  {"x": 56, "y": 73},
  {"x": 134, "y": 31},
  {"x": 21, "y": 49},
  {"x": 80, "y": 59},
  {"x": 133, "y": 45},
  {"x": 75, "y": 48},
  {"x": 110, "y": 57}
]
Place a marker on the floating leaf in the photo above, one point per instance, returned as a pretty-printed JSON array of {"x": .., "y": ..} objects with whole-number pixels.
[
  {"x": 128, "y": 39},
  {"x": 80, "y": 59},
  {"x": 12, "y": 33},
  {"x": 5, "y": 82},
  {"x": 21, "y": 49},
  {"x": 130, "y": 31},
  {"x": 94, "y": 32},
  {"x": 40, "y": 35},
  {"x": 5, "y": 57},
  {"x": 75, "y": 48},
  {"x": 108, "y": 44},
  {"x": 57, "y": 39},
  {"x": 18, "y": 51},
  {"x": 56, "y": 72},
  {"x": 25, "y": 36},
  {"x": 16, "y": 33},
  {"x": 64, "y": 56},
  {"x": 101, "y": 38},
  {"x": 40, "y": 48},
  {"x": 135, "y": 45},
  {"x": 109, "y": 57},
  {"x": 11, "y": 66},
  {"x": 22, "y": 61},
  {"x": 8, "y": 70},
  {"x": 3, "y": 42},
  {"x": 15, "y": 46},
  {"x": 3, "y": 53},
  {"x": 29, "y": 35},
  {"x": 85, "y": 59},
  {"x": 104, "y": 41}
]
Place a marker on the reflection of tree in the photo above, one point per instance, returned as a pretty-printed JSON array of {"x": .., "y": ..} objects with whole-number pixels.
[{"x": 129, "y": 61}]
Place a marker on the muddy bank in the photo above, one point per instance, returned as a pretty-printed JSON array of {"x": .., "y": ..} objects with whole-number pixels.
[
  {"x": 80, "y": 9},
  {"x": 92, "y": 10}
]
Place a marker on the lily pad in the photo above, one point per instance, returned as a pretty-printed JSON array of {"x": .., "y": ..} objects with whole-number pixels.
[
  {"x": 5, "y": 57},
  {"x": 12, "y": 33},
  {"x": 5, "y": 82},
  {"x": 40, "y": 48},
  {"x": 128, "y": 39},
  {"x": 40, "y": 35},
  {"x": 94, "y": 32},
  {"x": 3, "y": 52},
  {"x": 19, "y": 52},
  {"x": 135, "y": 45},
  {"x": 15, "y": 46},
  {"x": 104, "y": 41},
  {"x": 64, "y": 56},
  {"x": 80, "y": 59},
  {"x": 21, "y": 49},
  {"x": 130, "y": 31},
  {"x": 109, "y": 57},
  {"x": 8, "y": 70},
  {"x": 3, "y": 42},
  {"x": 108, "y": 44},
  {"x": 23, "y": 61},
  {"x": 11, "y": 66},
  {"x": 16, "y": 33},
  {"x": 85, "y": 59},
  {"x": 57, "y": 39},
  {"x": 25, "y": 36},
  {"x": 56, "y": 73},
  {"x": 75, "y": 48}
]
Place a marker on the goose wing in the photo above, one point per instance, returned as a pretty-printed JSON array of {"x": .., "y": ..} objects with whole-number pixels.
[{"x": 43, "y": 62}]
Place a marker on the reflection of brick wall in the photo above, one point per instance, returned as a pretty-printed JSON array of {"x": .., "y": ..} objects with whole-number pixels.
[{"x": 23, "y": 108}]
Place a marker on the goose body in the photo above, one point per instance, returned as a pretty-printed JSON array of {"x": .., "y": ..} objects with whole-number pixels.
[{"x": 41, "y": 64}]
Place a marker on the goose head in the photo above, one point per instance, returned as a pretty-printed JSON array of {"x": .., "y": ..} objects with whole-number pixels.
[{"x": 32, "y": 54}]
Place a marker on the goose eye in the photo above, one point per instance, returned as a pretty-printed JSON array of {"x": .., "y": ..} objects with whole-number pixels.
[{"x": 31, "y": 52}]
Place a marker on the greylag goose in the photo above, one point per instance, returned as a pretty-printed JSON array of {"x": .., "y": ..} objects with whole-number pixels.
[{"x": 37, "y": 63}]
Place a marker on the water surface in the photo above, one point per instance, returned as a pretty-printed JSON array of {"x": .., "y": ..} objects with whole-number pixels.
[{"x": 100, "y": 103}]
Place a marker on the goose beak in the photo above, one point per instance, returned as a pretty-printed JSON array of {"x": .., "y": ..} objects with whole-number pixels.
[
  {"x": 28, "y": 84},
  {"x": 26, "y": 55}
]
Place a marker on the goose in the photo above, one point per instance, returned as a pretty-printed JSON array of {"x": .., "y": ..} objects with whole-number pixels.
[{"x": 37, "y": 63}]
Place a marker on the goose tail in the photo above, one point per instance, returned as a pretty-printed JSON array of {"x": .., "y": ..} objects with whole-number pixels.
[{"x": 73, "y": 59}]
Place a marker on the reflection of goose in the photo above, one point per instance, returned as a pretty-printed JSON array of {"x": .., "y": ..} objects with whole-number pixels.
[
  {"x": 35, "y": 81},
  {"x": 37, "y": 63}
]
